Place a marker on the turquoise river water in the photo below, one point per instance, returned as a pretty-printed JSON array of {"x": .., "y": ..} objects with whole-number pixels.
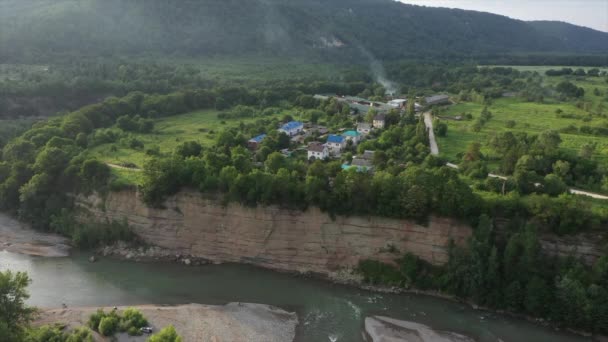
[{"x": 323, "y": 308}]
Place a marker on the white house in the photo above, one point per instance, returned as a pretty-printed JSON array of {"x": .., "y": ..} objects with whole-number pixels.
[
  {"x": 335, "y": 143},
  {"x": 364, "y": 128},
  {"x": 292, "y": 128},
  {"x": 318, "y": 151},
  {"x": 397, "y": 103}
]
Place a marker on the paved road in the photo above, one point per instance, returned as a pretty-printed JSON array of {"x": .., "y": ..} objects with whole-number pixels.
[{"x": 428, "y": 122}]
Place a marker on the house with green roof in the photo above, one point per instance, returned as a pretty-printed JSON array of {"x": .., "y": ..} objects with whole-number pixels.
[{"x": 353, "y": 136}]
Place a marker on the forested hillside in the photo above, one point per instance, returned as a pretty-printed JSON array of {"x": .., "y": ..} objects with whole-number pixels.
[{"x": 36, "y": 30}]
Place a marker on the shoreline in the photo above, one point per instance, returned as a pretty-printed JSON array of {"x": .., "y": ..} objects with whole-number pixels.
[
  {"x": 193, "y": 322},
  {"x": 343, "y": 278},
  {"x": 17, "y": 237}
]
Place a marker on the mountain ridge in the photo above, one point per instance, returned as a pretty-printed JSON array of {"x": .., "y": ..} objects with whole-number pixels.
[{"x": 339, "y": 29}]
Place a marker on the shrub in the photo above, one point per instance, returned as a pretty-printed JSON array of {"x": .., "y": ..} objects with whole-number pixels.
[
  {"x": 133, "y": 331},
  {"x": 108, "y": 326},
  {"x": 95, "y": 319},
  {"x": 168, "y": 334},
  {"x": 510, "y": 124},
  {"x": 133, "y": 318},
  {"x": 80, "y": 335}
]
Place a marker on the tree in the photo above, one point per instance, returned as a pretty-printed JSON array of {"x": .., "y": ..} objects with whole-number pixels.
[
  {"x": 168, "y": 334},
  {"x": 441, "y": 128},
  {"x": 553, "y": 185},
  {"x": 108, "y": 326},
  {"x": 14, "y": 314},
  {"x": 473, "y": 152},
  {"x": 274, "y": 162},
  {"x": 189, "y": 149}
]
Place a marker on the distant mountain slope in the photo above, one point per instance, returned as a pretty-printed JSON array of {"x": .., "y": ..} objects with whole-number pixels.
[{"x": 325, "y": 28}]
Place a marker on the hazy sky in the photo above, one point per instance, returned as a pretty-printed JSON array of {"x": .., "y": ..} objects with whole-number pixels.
[{"x": 590, "y": 13}]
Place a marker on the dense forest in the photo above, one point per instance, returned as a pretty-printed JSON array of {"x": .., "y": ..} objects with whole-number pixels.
[{"x": 355, "y": 30}]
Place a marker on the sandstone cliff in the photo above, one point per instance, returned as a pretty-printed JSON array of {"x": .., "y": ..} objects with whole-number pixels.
[{"x": 309, "y": 241}]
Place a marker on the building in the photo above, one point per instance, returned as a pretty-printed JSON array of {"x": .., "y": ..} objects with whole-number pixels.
[
  {"x": 368, "y": 155},
  {"x": 437, "y": 100},
  {"x": 364, "y": 128},
  {"x": 254, "y": 143},
  {"x": 379, "y": 121},
  {"x": 361, "y": 165},
  {"x": 335, "y": 143},
  {"x": 397, "y": 103},
  {"x": 321, "y": 130},
  {"x": 353, "y": 136},
  {"x": 317, "y": 151},
  {"x": 292, "y": 128}
]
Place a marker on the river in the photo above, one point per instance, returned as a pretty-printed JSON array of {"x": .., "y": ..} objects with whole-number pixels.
[{"x": 323, "y": 308}]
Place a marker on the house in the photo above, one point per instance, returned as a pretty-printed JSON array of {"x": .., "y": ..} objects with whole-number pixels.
[
  {"x": 353, "y": 136},
  {"x": 368, "y": 155},
  {"x": 364, "y": 128},
  {"x": 321, "y": 130},
  {"x": 292, "y": 128},
  {"x": 379, "y": 121},
  {"x": 317, "y": 151},
  {"x": 335, "y": 143},
  {"x": 254, "y": 143},
  {"x": 361, "y": 165},
  {"x": 397, "y": 103},
  {"x": 437, "y": 100}
]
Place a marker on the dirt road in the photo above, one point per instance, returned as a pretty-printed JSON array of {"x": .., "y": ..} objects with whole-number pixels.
[{"x": 428, "y": 122}]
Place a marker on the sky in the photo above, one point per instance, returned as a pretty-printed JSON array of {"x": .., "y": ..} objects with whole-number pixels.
[{"x": 589, "y": 13}]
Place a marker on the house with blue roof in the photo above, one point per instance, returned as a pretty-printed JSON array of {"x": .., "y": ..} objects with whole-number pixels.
[
  {"x": 254, "y": 143},
  {"x": 336, "y": 143},
  {"x": 292, "y": 128}
]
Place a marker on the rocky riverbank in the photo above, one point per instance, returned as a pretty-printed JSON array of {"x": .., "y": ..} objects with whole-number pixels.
[
  {"x": 196, "y": 322},
  {"x": 126, "y": 251},
  {"x": 16, "y": 237},
  {"x": 385, "y": 329}
]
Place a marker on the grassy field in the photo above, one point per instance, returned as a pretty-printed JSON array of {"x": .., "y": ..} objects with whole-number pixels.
[
  {"x": 168, "y": 133},
  {"x": 530, "y": 117}
]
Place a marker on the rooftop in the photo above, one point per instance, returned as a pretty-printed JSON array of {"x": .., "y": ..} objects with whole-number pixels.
[
  {"x": 292, "y": 125},
  {"x": 359, "y": 162},
  {"x": 364, "y": 125},
  {"x": 316, "y": 146},
  {"x": 380, "y": 117},
  {"x": 436, "y": 98},
  {"x": 332, "y": 138},
  {"x": 351, "y": 134},
  {"x": 258, "y": 139}
]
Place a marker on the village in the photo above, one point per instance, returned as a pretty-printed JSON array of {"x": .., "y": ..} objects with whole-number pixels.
[{"x": 331, "y": 145}]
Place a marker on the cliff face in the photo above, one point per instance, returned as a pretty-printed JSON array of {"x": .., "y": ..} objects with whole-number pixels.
[{"x": 270, "y": 237}]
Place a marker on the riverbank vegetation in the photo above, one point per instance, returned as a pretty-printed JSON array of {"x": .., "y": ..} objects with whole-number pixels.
[
  {"x": 509, "y": 274},
  {"x": 16, "y": 318}
]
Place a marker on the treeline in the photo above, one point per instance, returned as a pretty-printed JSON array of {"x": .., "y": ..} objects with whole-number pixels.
[
  {"x": 34, "y": 91},
  {"x": 594, "y": 72},
  {"x": 509, "y": 271}
]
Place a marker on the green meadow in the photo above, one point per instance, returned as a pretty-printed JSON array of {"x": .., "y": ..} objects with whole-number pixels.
[
  {"x": 201, "y": 126},
  {"x": 532, "y": 118}
]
